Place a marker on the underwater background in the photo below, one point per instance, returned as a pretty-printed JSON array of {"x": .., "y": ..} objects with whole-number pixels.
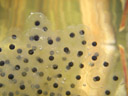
[{"x": 63, "y": 47}]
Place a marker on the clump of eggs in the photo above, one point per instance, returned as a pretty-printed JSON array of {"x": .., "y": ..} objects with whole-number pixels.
[{"x": 43, "y": 62}]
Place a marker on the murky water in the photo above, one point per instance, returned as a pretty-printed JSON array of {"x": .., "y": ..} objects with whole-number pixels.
[{"x": 62, "y": 47}]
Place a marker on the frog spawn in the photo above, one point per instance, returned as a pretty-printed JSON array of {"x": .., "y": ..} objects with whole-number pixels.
[{"x": 50, "y": 63}]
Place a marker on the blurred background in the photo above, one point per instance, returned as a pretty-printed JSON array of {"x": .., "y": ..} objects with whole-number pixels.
[{"x": 107, "y": 19}]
